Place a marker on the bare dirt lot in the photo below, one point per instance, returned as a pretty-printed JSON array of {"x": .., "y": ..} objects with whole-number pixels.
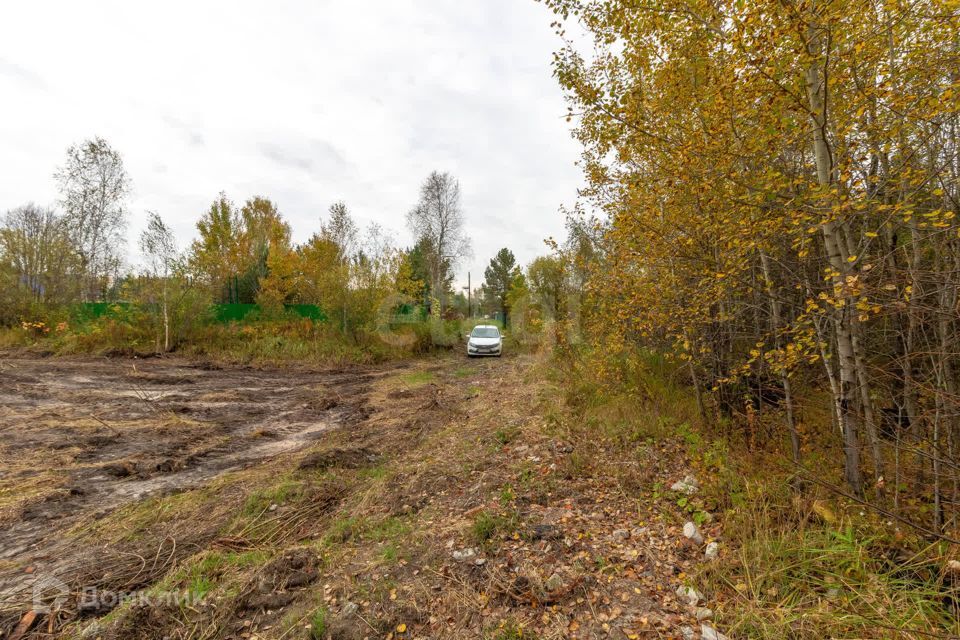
[{"x": 80, "y": 438}]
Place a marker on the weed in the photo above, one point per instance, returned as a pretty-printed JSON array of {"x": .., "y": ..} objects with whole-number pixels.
[
  {"x": 526, "y": 475},
  {"x": 390, "y": 528},
  {"x": 377, "y": 472},
  {"x": 553, "y": 420},
  {"x": 390, "y": 553},
  {"x": 484, "y": 527},
  {"x": 506, "y": 435},
  {"x": 199, "y": 587},
  {"x": 342, "y": 529},
  {"x": 488, "y": 525},
  {"x": 576, "y": 465},
  {"x": 815, "y": 582},
  {"x": 600, "y": 563},
  {"x": 657, "y": 490},
  {"x": 318, "y": 624},
  {"x": 690, "y": 437}
]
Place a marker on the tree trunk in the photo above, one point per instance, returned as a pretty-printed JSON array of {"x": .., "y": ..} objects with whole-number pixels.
[
  {"x": 775, "y": 320},
  {"x": 166, "y": 322},
  {"x": 867, "y": 403},
  {"x": 834, "y": 241}
]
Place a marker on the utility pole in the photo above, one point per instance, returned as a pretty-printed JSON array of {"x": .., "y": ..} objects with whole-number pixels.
[{"x": 469, "y": 302}]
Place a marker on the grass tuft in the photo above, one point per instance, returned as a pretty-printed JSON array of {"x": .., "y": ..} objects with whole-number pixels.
[
  {"x": 486, "y": 526},
  {"x": 418, "y": 378},
  {"x": 318, "y": 624}
]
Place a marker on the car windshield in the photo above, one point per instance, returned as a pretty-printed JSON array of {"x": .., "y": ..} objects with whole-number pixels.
[{"x": 485, "y": 332}]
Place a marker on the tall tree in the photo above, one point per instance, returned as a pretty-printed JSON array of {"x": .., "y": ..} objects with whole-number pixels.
[
  {"x": 40, "y": 262},
  {"x": 216, "y": 255},
  {"x": 341, "y": 229},
  {"x": 93, "y": 189},
  {"x": 281, "y": 283},
  {"x": 499, "y": 278},
  {"x": 416, "y": 282},
  {"x": 233, "y": 251},
  {"x": 264, "y": 233},
  {"x": 438, "y": 219},
  {"x": 546, "y": 277}
]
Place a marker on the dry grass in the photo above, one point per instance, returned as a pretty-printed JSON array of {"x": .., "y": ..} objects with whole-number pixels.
[
  {"x": 447, "y": 456},
  {"x": 807, "y": 566}
]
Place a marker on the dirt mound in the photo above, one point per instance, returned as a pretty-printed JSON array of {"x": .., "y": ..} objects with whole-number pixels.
[
  {"x": 143, "y": 469},
  {"x": 270, "y": 589},
  {"x": 344, "y": 458},
  {"x": 54, "y": 505},
  {"x": 322, "y": 404},
  {"x": 347, "y": 629}
]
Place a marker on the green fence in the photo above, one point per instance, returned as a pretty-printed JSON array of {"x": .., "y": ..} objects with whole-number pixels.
[
  {"x": 94, "y": 310},
  {"x": 219, "y": 312}
]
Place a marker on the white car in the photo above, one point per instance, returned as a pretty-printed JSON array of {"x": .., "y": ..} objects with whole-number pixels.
[{"x": 485, "y": 340}]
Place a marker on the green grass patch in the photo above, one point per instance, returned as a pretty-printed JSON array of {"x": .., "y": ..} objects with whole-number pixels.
[
  {"x": 318, "y": 624},
  {"x": 204, "y": 572},
  {"x": 260, "y": 500},
  {"x": 199, "y": 587},
  {"x": 344, "y": 529},
  {"x": 418, "y": 378},
  {"x": 377, "y": 472},
  {"x": 818, "y": 581},
  {"x": 487, "y": 526},
  {"x": 390, "y": 553},
  {"x": 389, "y": 529},
  {"x": 506, "y": 435}
]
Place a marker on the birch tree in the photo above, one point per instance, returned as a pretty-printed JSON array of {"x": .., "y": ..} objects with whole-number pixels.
[
  {"x": 780, "y": 182},
  {"x": 159, "y": 249},
  {"x": 438, "y": 220},
  {"x": 93, "y": 187}
]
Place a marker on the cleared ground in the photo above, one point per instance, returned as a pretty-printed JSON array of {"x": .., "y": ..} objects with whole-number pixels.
[
  {"x": 78, "y": 439},
  {"x": 440, "y": 498}
]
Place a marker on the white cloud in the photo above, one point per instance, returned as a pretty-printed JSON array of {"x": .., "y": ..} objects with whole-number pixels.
[{"x": 303, "y": 102}]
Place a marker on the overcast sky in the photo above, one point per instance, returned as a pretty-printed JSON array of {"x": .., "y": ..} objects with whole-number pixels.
[{"x": 303, "y": 102}]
